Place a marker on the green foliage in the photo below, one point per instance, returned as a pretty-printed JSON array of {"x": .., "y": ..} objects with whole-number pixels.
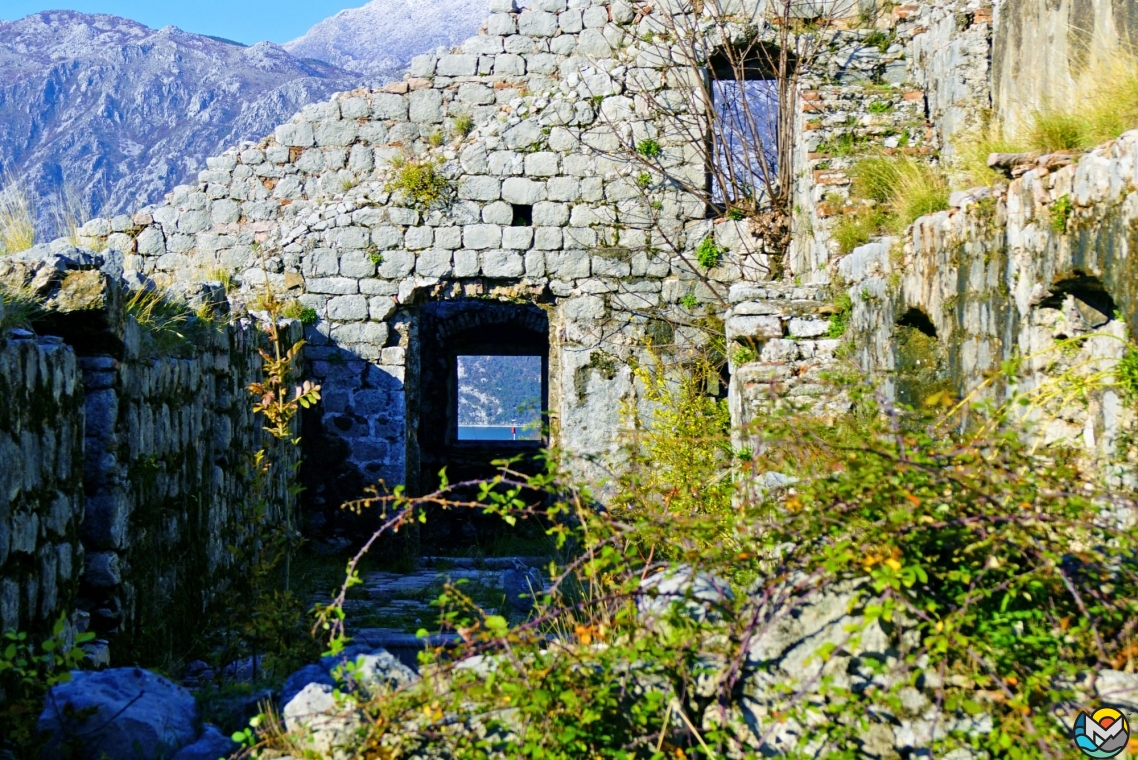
[
  {"x": 689, "y": 301},
  {"x": 878, "y": 39},
  {"x": 708, "y": 253},
  {"x": 436, "y": 139},
  {"x": 28, "y": 669},
  {"x": 880, "y": 106},
  {"x": 649, "y": 148},
  {"x": 744, "y": 355},
  {"x": 294, "y": 309},
  {"x": 1126, "y": 374},
  {"x": 643, "y": 180},
  {"x": 376, "y": 257},
  {"x": 840, "y": 319},
  {"x": 422, "y": 181},
  {"x": 858, "y": 227},
  {"x": 1061, "y": 211}
]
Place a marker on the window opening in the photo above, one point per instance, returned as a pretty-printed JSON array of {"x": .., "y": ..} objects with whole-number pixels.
[
  {"x": 745, "y": 137},
  {"x": 499, "y": 398},
  {"x": 523, "y": 215}
]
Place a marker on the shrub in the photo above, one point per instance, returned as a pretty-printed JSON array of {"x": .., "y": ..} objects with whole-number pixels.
[
  {"x": 708, "y": 253},
  {"x": 689, "y": 301},
  {"x": 998, "y": 575},
  {"x": 295, "y": 310},
  {"x": 1060, "y": 212},
  {"x": 422, "y": 181},
  {"x": 840, "y": 319},
  {"x": 643, "y": 180}
]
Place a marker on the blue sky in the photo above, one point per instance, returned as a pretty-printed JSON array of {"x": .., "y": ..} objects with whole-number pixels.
[{"x": 245, "y": 21}]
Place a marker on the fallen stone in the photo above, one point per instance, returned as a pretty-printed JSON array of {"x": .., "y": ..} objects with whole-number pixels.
[
  {"x": 122, "y": 713},
  {"x": 211, "y": 745}
]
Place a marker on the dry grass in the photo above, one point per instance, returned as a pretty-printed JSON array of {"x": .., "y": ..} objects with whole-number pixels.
[
  {"x": 1105, "y": 105},
  {"x": 17, "y": 222},
  {"x": 896, "y": 191}
]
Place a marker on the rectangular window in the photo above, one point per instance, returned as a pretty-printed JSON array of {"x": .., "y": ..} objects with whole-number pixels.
[
  {"x": 746, "y": 138},
  {"x": 499, "y": 398}
]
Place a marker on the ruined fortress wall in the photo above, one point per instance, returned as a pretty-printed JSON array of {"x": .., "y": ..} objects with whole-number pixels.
[
  {"x": 127, "y": 465},
  {"x": 1042, "y": 270},
  {"x": 41, "y": 481},
  {"x": 1044, "y": 47}
]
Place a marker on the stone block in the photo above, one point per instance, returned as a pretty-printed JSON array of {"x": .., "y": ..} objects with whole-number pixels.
[
  {"x": 570, "y": 21},
  {"x": 357, "y": 264},
  {"x": 501, "y": 263},
  {"x": 381, "y": 307},
  {"x": 480, "y": 188},
  {"x": 336, "y": 133},
  {"x": 535, "y": 263},
  {"x": 466, "y": 264},
  {"x": 423, "y": 66},
  {"x": 537, "y": 23},
  {"x": 396, "y": 264},
  {"x": 568, "y": 264},
  {"x": 524, "y": 135},
  {"x": 418, "y": 238},
  {"x": 448, "y": 237},
  {"x": 509, "y": 64},
  {"x": 295, "y": 135},
  {"x": 549, "y": 214},
  {"x": 332, "y": 285},
  {"x": 102, "y": 570},
  {"x": 425, "y": 106},
  {"x": 353, "y": 237},
  {"x": 454, "y": 66},
  {"x": 542, "y": 164},
  {"x": 348, "y": 308},
  {"x": 481, "y": 236},
  {"x": 372, "y": 333},
  {"x": 501, "y": 25},
  {"x": 522, "y": 191},
  {"x": 354, "y": 108},
  {"x": 388, "y": 106},
  {"x": 479, "y": 45},
  {"x": 517, "y": 238},
  {"x": 387, "y": 237},
  {"x": 759, "y": 328},
  {"x": 433, "y": 263},
  {"x": 808, "y": 328},
  {"x": 547, "y": 238},
  {"x": 583, "y": 308},
  {"x": 477, "y": 95},
  {"x": 499, "y": 213},
  {"x": 580, "y": 237},
  {"x": 505, "y": 162}
]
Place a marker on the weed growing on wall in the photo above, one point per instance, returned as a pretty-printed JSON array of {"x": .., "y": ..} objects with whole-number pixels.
[
  {"x": 422, "y": 181},
  {"x": 169, "y": 326},
  {"x": 895, "y": 191}
]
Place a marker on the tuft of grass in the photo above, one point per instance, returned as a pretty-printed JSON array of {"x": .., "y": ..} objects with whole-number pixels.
[
  {"x": 422, "y": 181},
  {"x": 858, "y": 227},
  {"x": 896, "y": 191},
  {"x": 972, "y": 168},
  {"x": 17, "y": 222},
  {"x": 437, "y": 138},
  {"x": 169, "y": 326},
  {"x": 68, "y": 214},
  {"x": 21, "y": 308},
  {"x": 1104, "y": 106},
  {"x": 462, "y": 124},
  {"x": 295, "y": 310}
]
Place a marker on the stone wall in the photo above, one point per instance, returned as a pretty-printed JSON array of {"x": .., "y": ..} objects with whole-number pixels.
[
  {"x": 1041, "y": 269},
  {"x": 128, "y": 461},
  {"x": 41, "y": 481},
  {"x": 1043, "y": 47}
]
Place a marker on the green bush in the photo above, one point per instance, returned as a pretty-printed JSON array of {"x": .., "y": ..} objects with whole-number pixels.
[
  {"x": 649, "y": 148},
  {"x": 422, "y": 181},
  {"x": 1060, "y": 212}
]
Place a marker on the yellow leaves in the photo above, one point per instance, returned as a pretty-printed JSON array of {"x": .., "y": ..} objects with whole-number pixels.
[
  {"x": 1011, "y": 680},
  {"x": 794, "y": 504},
  {"x": 585, "y": 634},
  {"x": 893, "y": 564},
  {"x": 892, "y": 561},
  {"x": 432, "y": 712},
  {"x": 915, "y": 501}
]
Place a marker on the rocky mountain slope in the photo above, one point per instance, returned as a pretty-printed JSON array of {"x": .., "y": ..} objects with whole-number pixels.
[
  {"x": 379, "y": 39},
  {"x": 118, "y": 113}
]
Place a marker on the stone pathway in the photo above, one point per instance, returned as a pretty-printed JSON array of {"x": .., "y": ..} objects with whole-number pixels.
[{"x": 389, "y": 607}]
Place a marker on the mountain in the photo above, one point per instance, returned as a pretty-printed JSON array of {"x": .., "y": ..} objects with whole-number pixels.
[
  {"x": 379, "y": 39},
  {"x": 117, "y": 114}
]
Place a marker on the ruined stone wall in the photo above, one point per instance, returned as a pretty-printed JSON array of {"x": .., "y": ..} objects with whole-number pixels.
[
  {"x": 41, "y": 481},
  {"x": 1044, "y": 47},
  {"x": 915, "y": 85},
  {"x": 127, "y": 462},
  {"x": 1042, "y": 270}
]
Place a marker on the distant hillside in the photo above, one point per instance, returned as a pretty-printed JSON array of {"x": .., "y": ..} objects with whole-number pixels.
[
  {"x": 499, "y": 390},
  {"x": 120, "y": 113},
  {"x": 379, "y": 39}
]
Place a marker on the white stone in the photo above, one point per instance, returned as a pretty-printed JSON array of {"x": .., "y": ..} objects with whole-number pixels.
[
  {"x": 523, "y": 191},
  {"x": 480, "y": 236},
  {"x": 501, "y": 263}
]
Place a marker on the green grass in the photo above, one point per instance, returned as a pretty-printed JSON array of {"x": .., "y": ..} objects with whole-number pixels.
[
  {"x": 1105, "y": 106},
  {"x": 895, "y": 191},
  {"x": 169, "y": 326},
  {"x": 21, "y": 308},
  {"x": 462, "y": 124},
  {"x": 708, "y": 253},
  {"x": 422, "y": 181}
]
